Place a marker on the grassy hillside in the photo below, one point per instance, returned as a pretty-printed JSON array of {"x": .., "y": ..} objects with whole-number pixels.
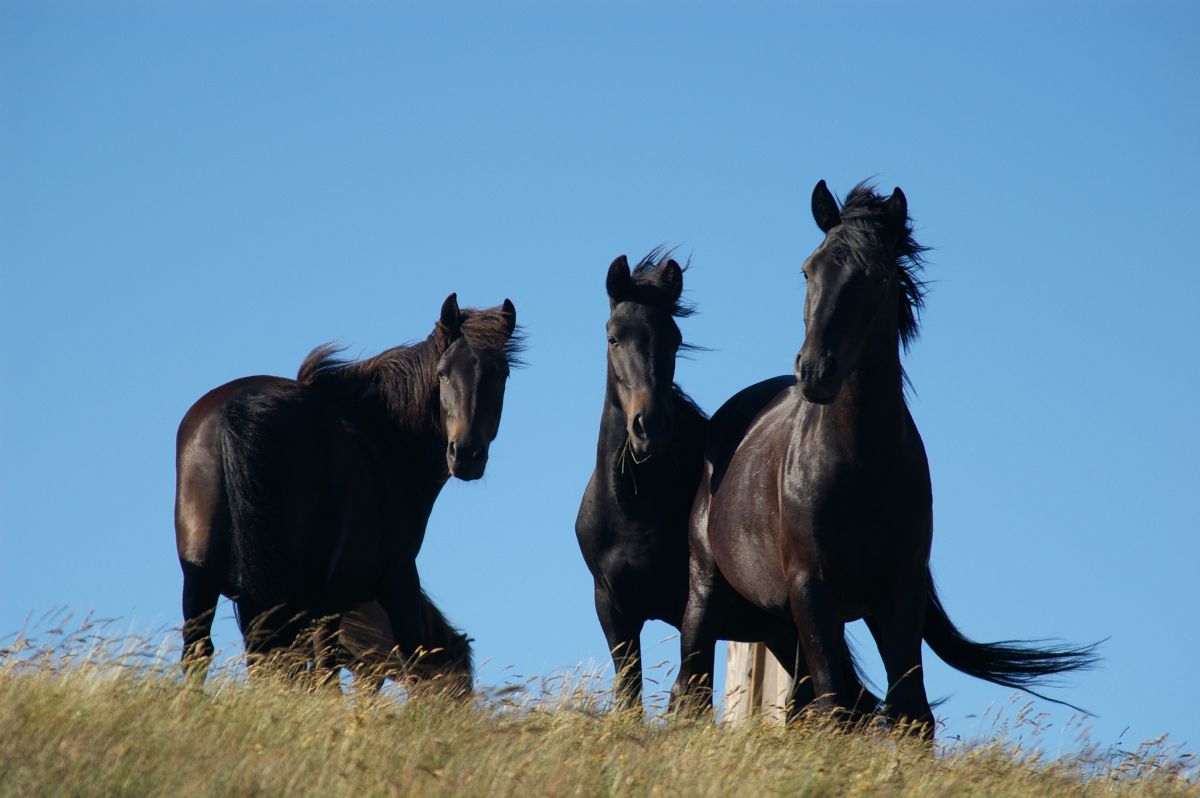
[{"x": 110, "y": 718}]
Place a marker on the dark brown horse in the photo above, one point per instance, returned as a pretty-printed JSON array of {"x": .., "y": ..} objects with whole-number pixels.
[
  {"x": 301, "y": 499},
  {"x": 632, "y": 525},
  {"x": 816, "y": 506}
]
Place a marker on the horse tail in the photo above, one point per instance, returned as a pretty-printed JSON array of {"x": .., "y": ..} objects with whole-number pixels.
[
  {"x": 438, "y": 633},
  {"x": 246, "y": 464},
  {"x": 865, "y": 702},
  {"x": 1010, "y": 663}
]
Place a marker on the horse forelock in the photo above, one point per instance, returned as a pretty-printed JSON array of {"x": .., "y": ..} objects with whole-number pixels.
[
  {"x": 488, "y": 334},
  {"x": 651, "y": 288}
]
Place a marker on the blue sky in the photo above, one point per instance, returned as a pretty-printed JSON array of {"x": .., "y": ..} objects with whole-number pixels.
[{"x": 194, "y": 192}]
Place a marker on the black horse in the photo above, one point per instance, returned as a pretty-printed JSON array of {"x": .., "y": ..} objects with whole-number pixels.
[
  {"x": 632, "y": 525},
  {"x": 301, "y": 499},
  {"x": 816, "y": 506},
  {"x": 632, "y": 522}
]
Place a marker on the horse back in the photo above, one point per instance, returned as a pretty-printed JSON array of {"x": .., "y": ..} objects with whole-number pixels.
[{"x": 729, "y": 425}]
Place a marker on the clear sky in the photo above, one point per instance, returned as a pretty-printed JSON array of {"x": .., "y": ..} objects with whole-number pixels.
[{"x": 192, "y": 192}]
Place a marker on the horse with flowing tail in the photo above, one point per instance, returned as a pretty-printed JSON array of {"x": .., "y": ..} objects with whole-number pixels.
[
  {"x": 815, "y": 504},
  {"x": 301, "y": 499},
  {"x": 632, "y": 525}
]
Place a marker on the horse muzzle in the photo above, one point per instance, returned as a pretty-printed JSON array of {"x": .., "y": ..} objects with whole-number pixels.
[
  {"x": 649, "y": 434},
  {"x": 466, "y": 461},
  {"x": 818, "y": 378}
]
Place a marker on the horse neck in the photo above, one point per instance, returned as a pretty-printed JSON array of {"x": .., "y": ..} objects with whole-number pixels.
[
  {"x": 406, "y": 416},
  {"x": 613, "y": 431},
  {"x": 870, "y": 405}
]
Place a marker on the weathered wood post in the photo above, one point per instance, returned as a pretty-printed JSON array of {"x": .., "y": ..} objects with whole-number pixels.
[{"x": 755, "y": 684}]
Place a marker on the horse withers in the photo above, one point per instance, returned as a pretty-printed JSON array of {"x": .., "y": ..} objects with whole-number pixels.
[
  {"x": 816, "y": 505},
  {"x": 301, "y": 499}
]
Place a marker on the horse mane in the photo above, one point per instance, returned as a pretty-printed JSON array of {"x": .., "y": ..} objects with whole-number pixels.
[
  {"x": 404, "y": 378},
  {"x": 863, "y": 215},
  {"x": 688, "y": 402}
]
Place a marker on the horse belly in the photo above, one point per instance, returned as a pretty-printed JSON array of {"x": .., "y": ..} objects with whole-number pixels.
[{"x": 743, "y": 523}]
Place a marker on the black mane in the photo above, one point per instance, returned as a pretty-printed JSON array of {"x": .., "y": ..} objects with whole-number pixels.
[
  {"x": 404, "y": 378},
  {"x": 862, "y": 217}
]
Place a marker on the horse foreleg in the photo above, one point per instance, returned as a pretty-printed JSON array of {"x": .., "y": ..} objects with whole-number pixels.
[
  {"x": 698, "y": 634},
  {"x": 822, "y": 641},
  {"x": 624, "y": 636},
  {"x": 897, "y": 629},
  {"x": 401, "y": 601}
]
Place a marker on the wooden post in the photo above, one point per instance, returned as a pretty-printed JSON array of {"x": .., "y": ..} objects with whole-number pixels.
[{"x": 756, "y": 685}]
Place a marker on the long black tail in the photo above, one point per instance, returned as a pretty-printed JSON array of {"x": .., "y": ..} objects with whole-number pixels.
[
  {"x": 866, "y": 701},
  {"x": 247, "y": 462},
  {"x": 1011, "y": 663}
]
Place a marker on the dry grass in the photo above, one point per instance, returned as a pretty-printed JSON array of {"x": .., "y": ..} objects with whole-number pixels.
[{"x": 92, "y": 714}]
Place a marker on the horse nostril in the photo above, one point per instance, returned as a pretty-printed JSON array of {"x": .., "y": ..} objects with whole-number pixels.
[{"x": 639, "y": 431}]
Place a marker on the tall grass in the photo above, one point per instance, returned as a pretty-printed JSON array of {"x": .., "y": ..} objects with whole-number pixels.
[{"x": 89, "y": 712}]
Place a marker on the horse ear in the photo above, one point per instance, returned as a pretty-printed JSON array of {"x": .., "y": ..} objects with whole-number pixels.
[
  {"x": 672, "y": 278},
  {"x": 824, "y": 208},
  {"x": 451, "y": 318},
  {"x": 619, "y": 281},
  {"x": 897, "y": 210},
  {"x": 509, "y": 312}
]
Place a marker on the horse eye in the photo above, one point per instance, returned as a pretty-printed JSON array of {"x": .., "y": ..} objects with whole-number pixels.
[
  {"x": 805, "y": 273},
  {"x": 612, "y": 341},
  {"x": 443, "y": 378}
]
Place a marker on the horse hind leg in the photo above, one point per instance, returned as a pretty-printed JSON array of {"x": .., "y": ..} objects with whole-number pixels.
[
  {"x": 787, "y": 653},
  {"x": 201, "y": 591},
  {"x": 327, "y": 653}
]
